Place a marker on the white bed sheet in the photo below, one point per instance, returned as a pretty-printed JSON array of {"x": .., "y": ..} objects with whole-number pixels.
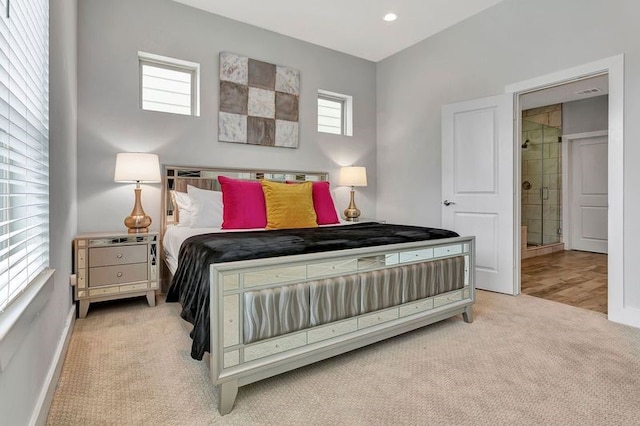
[{"x": 174, "y": 236}]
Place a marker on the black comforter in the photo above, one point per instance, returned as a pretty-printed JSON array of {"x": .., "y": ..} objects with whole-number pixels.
[{"x": 190, "y": 285}]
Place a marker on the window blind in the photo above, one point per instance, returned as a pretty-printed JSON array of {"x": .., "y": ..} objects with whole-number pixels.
[
  {"x": 166, "y": 88},
  {"x": 330, "y": 114},
  {"x": 24, "y": 145}
]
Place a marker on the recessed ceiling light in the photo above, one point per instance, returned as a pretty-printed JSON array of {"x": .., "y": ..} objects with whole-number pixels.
[{"x": 390, "y": 17}]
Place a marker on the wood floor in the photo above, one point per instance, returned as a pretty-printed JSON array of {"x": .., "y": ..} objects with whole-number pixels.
[{"x": 575, "y": 278}]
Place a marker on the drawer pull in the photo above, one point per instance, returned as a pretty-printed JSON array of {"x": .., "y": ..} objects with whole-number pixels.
[
  {"x": 119, "y": 274},
  {"x": 119, "y": 255}
]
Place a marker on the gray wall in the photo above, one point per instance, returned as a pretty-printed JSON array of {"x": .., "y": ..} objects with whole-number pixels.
[
  {"x": 588, "y": 115},
  {"x": 514, "y": 41},
  {"x": 111, "y": 33},
  {"x": 24, "y": 384}
]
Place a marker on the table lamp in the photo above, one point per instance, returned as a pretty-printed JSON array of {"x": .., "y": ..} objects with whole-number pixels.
[
  {"x": 136, "y": 167},
  {"x": 353, "y": 176}
]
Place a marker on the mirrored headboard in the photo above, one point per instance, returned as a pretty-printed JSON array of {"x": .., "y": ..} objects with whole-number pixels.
[{"x": 176, "y": 178}]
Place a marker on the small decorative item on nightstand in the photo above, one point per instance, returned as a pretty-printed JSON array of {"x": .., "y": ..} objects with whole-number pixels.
[
  {"x": 110, "y": 266},
  {"x": 353, "y": 176}
]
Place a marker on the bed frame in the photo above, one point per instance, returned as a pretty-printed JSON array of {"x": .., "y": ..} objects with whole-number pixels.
[{"x": 234, "y": 363}]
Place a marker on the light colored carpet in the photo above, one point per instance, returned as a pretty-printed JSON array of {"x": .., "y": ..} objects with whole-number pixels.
[{"x": 523, "y": 361}]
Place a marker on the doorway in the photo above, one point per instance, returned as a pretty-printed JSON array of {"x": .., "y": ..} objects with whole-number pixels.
[
  {"x": 497, "y": 224},
  {"x": 564, "y": 193}
]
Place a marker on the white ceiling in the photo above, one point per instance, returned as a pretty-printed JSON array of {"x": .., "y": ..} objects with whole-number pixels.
[
  {"x": 350, "y": 26},
  {"x": 356, "y": 27}
]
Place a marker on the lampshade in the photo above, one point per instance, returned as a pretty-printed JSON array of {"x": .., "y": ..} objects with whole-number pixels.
[
  {"x": 353, "y": 176},
  {"x": 137, "y": 167}
]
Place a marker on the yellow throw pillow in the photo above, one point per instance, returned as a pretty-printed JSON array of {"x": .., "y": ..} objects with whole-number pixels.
[{"x": 289, "y": 206}]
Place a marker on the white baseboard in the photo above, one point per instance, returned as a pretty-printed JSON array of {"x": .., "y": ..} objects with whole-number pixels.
[{"x": 39, "y": 417}]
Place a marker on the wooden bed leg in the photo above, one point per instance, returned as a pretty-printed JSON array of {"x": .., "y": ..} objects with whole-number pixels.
[
  {"x": 228, "y": 392},
  {"x": 467, "y": 315}
]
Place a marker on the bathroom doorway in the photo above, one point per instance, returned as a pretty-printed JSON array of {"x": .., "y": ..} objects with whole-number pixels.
[{"x": 551, "y": 267}]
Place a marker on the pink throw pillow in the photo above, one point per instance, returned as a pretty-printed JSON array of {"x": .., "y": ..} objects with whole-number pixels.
[
  {"x": 323, "y": 203},
  {"x": 244, "y": 205}
]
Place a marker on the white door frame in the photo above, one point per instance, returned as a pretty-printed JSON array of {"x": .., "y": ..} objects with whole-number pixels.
[
  {"x": 567, "y": 188},
  {"x": 613, "y": 67}
]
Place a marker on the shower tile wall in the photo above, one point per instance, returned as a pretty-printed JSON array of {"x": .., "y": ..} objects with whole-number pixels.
[{"x": 542, "y": 168}]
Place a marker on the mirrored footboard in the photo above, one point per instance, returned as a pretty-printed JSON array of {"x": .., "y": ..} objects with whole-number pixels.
[{"x": 273, "y": 315}]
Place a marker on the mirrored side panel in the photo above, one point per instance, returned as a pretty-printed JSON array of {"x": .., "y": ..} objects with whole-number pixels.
[{"x": 231, "y": 320}]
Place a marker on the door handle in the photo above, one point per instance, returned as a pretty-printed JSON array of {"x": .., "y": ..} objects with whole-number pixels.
[
  {"x": 544, "y": 193},
  {"x": 447, "y": 202}
]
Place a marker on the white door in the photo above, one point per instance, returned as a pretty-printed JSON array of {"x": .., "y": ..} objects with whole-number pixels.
[
  {"x": 477, "y": 184},
  {"x": 589, "y": 194}
]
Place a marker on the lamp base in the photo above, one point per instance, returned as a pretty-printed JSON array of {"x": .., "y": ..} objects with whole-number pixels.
[
  {"x": 352, "y": 213},
  {"x": 138, "y": 222}
]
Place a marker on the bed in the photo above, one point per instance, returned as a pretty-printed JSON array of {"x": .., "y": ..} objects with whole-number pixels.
[{"x": 306, "y": 294}]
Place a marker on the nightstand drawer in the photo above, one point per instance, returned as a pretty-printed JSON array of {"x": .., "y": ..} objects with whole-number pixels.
[
  {"x": 105, "y": 256},
  {"x": 118, "y": 274}
]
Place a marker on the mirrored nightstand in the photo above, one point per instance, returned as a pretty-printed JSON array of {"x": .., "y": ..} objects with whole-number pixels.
[{"x": 110, "y": 266}]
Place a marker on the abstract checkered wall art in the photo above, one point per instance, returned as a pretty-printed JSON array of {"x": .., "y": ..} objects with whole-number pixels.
[{"x": 258, "y": 102}]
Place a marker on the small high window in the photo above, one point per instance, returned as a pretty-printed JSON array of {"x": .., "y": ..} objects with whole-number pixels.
[
  {"x": 335, "y": 113},
  {"x": 168, "y": 84}
]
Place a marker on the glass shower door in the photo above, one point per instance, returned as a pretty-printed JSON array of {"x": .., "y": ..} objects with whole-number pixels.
[{"x": 541, "y": 183}]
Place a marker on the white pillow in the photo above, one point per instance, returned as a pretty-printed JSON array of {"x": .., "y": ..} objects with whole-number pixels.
[
  {"x": 206, "y": 207},
  {"x": 183, "y": 204}
]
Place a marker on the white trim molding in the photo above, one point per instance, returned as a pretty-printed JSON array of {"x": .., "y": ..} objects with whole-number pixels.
[
  {"x": 613, "y": 67},
  {"x": 40, "y": 414}
]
